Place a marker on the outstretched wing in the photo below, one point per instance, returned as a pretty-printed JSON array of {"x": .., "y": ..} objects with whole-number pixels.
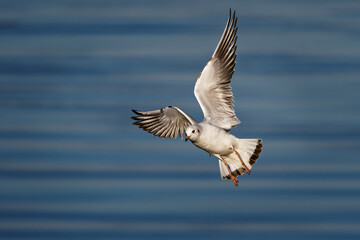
[
  {"x": 166, "y": 122},
  {"x": 212, "y": 88}
]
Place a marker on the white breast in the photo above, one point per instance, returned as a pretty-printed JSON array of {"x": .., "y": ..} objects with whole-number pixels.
[{"x": 214, "y": 140}]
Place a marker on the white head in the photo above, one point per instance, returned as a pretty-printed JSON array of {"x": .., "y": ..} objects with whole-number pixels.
[{"x": 192, "y": 132}]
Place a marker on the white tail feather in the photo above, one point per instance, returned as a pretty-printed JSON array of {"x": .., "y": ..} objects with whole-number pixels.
[
  {"x": 249, "y": 151},
  {"x": 223, "y": 170}
]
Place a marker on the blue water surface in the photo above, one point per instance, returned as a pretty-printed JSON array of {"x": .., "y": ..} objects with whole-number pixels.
[{"x": 72, "y": 165}]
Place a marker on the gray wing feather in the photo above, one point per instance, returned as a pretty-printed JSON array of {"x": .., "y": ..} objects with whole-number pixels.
[
  {"x": 212, "y": 88},
  {"x": 167, "y": 122}
]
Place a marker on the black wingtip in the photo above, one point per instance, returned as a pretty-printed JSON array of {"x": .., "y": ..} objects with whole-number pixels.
[
  {"x": 256, "y": 153},
  {"x": 232, "y": 16},
  {"x": 136, "y": 118}
]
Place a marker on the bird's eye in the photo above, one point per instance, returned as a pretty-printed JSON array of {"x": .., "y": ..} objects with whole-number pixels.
[{"x": 193, "y": 131}]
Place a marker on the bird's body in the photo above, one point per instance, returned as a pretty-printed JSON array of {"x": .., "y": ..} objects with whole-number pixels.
[
  {"x": 213, "y": 92},
  {"x": 209, "y": 137}
]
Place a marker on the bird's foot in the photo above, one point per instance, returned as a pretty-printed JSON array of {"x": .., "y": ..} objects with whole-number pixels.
[
  {"x": 235, "y": 181},
  {"x": 230, "y": 174},
  {"x": 242, "y": 162},
  {"x": 246, "y": 169}
]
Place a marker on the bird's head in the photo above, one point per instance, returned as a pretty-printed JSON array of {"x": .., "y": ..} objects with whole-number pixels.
[{"x": 192, "y": 133}]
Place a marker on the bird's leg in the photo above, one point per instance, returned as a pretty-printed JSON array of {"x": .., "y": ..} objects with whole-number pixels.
[
  {"x": 242, "y": 162},
  {"x": 232, "y": 176}
]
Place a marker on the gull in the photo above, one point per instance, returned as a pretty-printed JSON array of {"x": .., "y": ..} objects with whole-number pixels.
[{"x": 213, "y": 92}]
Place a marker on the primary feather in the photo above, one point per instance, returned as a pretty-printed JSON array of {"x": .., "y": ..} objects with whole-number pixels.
[
  {"x": 212, "y": 88},
  {"x": 167, "y": 122}
]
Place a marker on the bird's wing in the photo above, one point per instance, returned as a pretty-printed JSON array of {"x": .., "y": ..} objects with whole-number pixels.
[
  {"x": 166, "y": 122},
  {"x": 212, "y": 88}
]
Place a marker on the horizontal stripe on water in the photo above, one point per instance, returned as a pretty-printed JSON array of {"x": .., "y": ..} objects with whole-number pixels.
[{"x": 176, "y": 226}]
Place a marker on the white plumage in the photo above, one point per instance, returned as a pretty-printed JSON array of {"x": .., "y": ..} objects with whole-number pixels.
[{"x": 213, "y": 92}]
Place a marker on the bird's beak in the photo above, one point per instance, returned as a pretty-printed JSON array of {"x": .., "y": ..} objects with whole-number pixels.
[{"x": 187, "y": 138}]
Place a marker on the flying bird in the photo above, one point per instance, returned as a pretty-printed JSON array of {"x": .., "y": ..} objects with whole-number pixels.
[{"x": 213, "y": 92}]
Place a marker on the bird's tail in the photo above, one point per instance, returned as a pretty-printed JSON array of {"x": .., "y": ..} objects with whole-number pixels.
[{"x": 249, "y": 151}]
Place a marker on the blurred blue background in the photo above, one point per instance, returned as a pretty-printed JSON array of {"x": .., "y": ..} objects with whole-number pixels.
[{"x": 72, "y": 165}]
